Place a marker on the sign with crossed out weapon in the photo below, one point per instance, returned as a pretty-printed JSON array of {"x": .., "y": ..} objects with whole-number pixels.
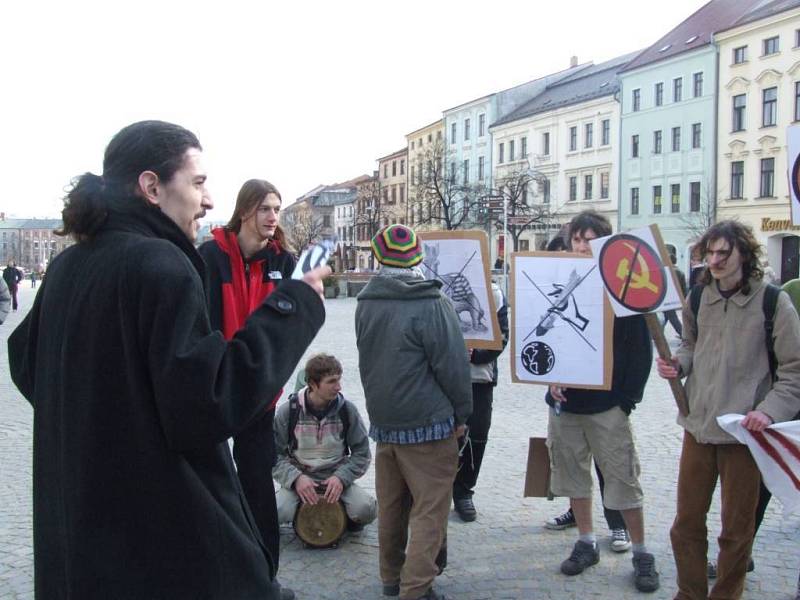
[
  {"x": 460, "y": 261},
  {"x": 561, "y": 321}
]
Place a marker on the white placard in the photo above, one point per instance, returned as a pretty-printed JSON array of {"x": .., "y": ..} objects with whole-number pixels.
[{"x": 793, "y": 141}]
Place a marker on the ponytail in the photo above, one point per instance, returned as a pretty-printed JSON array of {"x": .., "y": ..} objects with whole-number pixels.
[{"x": 85, "y": 208}]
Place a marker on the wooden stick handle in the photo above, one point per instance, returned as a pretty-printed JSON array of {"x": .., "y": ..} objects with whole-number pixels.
[{"x": 663, "y": 351}]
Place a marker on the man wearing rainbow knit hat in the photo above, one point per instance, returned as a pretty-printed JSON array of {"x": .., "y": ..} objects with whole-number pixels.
[{"x": 415, "y": 373}]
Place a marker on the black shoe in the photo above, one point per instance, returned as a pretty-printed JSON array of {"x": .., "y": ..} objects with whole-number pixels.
[
  {"x": 441, "y": 559},
  {"x": 465, "y": 509},
  {"x": 391, "y": 589},
  {"x": 562, "y": 521},
  {"x": 583, "y": 555},
  {"x": 354, "y": 526},
  {"x": 431, "y": 595},
  {"x": 645, "y": 576},
  {"x": 712, "y": 568},
  {"x": 287, "y": 594}
]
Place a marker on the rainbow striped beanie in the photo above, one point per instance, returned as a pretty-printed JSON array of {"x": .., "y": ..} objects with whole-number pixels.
[{"x": 397, "y": 246}]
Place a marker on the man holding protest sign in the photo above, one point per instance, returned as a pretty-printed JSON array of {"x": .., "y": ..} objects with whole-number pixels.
[
  {"x": 728, "y": 369},
  {"x": 594, "y": 423}
]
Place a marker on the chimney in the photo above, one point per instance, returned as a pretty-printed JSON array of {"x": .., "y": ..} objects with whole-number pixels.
[{"x": 573, "y": 61}]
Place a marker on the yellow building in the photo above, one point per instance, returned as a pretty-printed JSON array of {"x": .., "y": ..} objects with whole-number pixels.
[{"x": 421, "y": 143}]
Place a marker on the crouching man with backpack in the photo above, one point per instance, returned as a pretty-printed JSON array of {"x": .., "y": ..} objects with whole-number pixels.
[
  {"x": 321, "y": 443},
  {"x": 725, "y": 356}
]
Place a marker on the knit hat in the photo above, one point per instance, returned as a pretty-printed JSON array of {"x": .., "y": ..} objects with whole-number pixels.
[{"x": 397, "y": 246}]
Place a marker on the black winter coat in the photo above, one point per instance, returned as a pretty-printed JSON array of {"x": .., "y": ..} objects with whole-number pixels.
[{"x": 134, "y": 395}]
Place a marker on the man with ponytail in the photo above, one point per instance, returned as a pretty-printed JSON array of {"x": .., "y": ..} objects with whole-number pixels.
[
  {"x": 135, "y": 393},
  {"x": 246, "y": 261}
]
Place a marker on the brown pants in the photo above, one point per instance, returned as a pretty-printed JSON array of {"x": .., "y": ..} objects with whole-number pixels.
[
  {"x": 413, "y": 483},
  {"x": 739, "y": 482}
]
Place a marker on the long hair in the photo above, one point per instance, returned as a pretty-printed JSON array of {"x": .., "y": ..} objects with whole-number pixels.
[
  {"x": 250, "y": 197},
  {"x": 588, "y": 219},
  {"x": 739, "y": 236},
  {"x": 154, "y": 146}
]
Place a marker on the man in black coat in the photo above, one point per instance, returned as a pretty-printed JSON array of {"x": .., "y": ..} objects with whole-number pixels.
[
  {"x": 134, "y": 394},
  {"x": 12, "y": 276}
]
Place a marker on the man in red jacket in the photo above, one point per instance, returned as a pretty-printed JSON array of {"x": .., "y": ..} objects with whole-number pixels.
[{"x": 247, "y": 259}]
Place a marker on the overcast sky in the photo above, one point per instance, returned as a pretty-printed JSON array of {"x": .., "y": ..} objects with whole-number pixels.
[{"x": 299, "y": 93}]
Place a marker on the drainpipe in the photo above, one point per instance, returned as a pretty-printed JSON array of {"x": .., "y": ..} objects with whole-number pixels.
[
  {"x": 617, "y": 98},
  {"x": 716, "y": 133}
]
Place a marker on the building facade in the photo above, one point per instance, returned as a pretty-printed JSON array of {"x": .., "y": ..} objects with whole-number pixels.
[
  {"x": 31, "y": 243},
  {"x": 759, "y": 97},
  {"x": 668, "y": 130},
  {"x": 421, "y": 145}
]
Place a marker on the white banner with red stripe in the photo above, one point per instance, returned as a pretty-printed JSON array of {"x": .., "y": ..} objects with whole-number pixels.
[{"x": 776, "y": 451}]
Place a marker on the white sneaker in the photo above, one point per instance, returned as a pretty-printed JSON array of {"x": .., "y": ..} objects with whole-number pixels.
[{"x": 620, "y": 540}]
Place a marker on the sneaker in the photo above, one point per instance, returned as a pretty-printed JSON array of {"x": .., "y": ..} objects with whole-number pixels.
[
  {"x": 465, "y": 509},
  {"x": 354, "y": 526},
  {"x": 620, "y": 540},
  {"x": 712, "y": 567},
  {"x": 561, "y": 521},
  {"x": 645, "y": 576},
  {"x": 583, "y": 555},
  {"x": 391, "y": 589}
]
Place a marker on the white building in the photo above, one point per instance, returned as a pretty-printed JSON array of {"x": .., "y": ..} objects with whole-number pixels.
[{"x": 759, "y": 97}]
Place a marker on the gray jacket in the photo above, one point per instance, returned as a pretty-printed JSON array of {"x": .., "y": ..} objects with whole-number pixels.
[
  {"x": 347, "y": 468},
  {"x": 411, "y": 354}
]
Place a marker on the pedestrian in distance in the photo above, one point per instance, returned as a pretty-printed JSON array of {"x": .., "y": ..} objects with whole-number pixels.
[
  {"x": 246, "y": 261},
  {"x": 729, "y": 369},
  {"x": 322, "y": 444},
  {"x": 33, "y": 279},
  {"x": 134, "y": 393},
  {"x": 671, "y": 316},
  {"x": 415, "y": 373},
  {"x": 12, "y": 276},
  {"x": 5, "y": 300},
  {"x": 595, "y": 424}
]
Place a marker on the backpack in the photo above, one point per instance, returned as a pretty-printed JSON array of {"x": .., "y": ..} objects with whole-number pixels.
[
  {"x": 294, "y": 415},
  {"x": 770, "y": 303}
]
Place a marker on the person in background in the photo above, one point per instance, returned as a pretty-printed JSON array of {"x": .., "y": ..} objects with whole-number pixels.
[{"x": 12, "y": 276}]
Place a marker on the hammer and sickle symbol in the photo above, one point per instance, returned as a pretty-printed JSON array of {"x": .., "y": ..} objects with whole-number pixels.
[{"x": 638, "y": 280}]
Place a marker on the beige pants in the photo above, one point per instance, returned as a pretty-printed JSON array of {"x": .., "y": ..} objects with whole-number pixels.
[{"x": 414, "y": 483}]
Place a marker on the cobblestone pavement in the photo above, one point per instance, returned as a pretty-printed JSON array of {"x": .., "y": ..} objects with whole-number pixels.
[{"x": 506, "y": 554}]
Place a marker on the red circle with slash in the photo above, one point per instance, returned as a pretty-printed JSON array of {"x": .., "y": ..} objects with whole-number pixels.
[
  {"x": 796, "y": 178},
  {"x": 633, "y": 273}
]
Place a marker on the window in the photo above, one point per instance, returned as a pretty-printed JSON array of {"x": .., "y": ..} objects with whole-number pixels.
[
  {"x": 739, "y": 108},
  {"x": 466, "y": 171},
  {"x": 430, "y": 138},
  {"x": 587, "y": 187},
  {"x": 634, "y": 146},
  {"x": 767, "y": 177},
  {"x": 402, "y": 166},
  {"x": 573, "y": 188},
  {"x": 394, "y": 168},
  {"x": 573, "y": 139},
  {"x": 698, "y": 85},
  {"x": 797, "y": 38},
  {"x": 466, "y": 130},
  {"x": 511, "y": 154},
  {"x": 523, "y": 147},
  {"x": 657, "y": 142},
  {"x": 676, "y": 139},
  {"x": 659, "y": 94},
  {"x": 771, "y": 45},
  {"x": 588, "y": 135},
  {"x": 525, "y": 195},
  {"x": 546, "y": 143},
  {"x": 546, "y": 191},
  {"x": 452, "y": 173},
  {"x": 739, "y": 55},
  {"x": 385, "y": 170},
  {"x": 394, "y": 194},
  {"x": 501, "y": 151},
  {"x": 770, "y": 107},
  {"x": 657, "y": 200},
  {"x": 637, "y": 100},
  {"x": 402, "y": 192},
  {"x": 412, "y": 144},
  {"x": 481, "y": 125},
  {"x": 677, "y": 89},
  {"x": 604, "y": 185},
  {"x": 697, "y": 135},
  {"x": 326, "y": 220},
  {"x": 605, "y": 138},
  {"x": 797, "y": 101},
  {"x": 737, "y": 180},
  {"x": 438, "y": 137},
  {"x": 453, "y": 131},
  {"x": 412, "y": 174},
  {"x": 481, "y": 164},
  {"x": 676, "y": 197},
  {"x": 694, "y": 196},
  {"x": 635, "y": 201}
]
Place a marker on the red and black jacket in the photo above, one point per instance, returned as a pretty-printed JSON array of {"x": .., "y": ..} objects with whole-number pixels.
[{"x": 236, "y": 287}]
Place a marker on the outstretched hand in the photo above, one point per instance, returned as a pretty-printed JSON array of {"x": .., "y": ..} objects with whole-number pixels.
[{"x": 314, "y": 278}]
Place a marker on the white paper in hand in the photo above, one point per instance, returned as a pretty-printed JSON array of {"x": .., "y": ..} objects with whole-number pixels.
[{"x": 313, "y": 257}]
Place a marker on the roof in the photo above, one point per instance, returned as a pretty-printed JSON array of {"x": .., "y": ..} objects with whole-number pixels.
[
  {"x": 403, "y": 150},
  {"x": 595, "y": 81},
  {"x": 765, "y": 9},
  {"x": 429, "y": 125},
  {"x": 695, "y": 31},
  {"x": 31, "y": 223}
]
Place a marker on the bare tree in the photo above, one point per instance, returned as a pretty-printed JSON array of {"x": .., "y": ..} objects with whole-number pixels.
[
  {"x": 443, "y": 195},
  {"x": 696, "y": 222},
  {"x": 516, "y": 187},
  {"x": 302, "y": 226},
  {"x": 371, "y": 214}
]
